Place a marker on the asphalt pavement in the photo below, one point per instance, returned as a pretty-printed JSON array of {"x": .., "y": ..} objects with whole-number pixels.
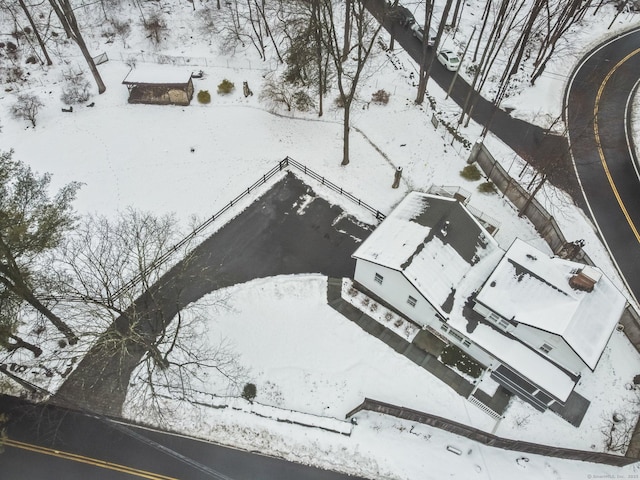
[
  {"x": 270, "y": 237},
  {"x": 529, "y": 141},
  {"x": 597, "y": 118},
  {"x": 47, "y": 442}
]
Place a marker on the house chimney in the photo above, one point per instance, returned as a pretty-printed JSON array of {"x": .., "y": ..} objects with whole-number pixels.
[{"x": 585, "y": 279}]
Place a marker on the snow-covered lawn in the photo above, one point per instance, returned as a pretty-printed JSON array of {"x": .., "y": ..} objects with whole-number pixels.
[{"x": 304, "y": 356}]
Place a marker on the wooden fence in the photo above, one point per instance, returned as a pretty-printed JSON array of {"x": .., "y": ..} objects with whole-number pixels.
[
  {"x": 488, "y": 438},
  {"x": 286, "y": 163}
]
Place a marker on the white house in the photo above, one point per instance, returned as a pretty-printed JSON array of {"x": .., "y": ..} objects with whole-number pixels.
[{"x": 537, "y": 322}]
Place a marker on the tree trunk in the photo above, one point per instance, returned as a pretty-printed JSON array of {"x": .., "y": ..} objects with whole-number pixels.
[
  {"x": 11, "y": 278},
  {"x": 68, "y": 20},
  {"x": 526, "y": 33},
  {"x": 317, "y": 33},
  {"x": 422, "y": 81},
  {"x": 425, "y": 77},
  {"x": 49, "y": 315},
  {"x": 345, "y": 132},
  {"x": 524, "y": 208},
  {"x": 20, "y": 343},
  {"x": 347, "y": 30},
  {"x": 485, "y": 17},
  {"x": 455, "y": 13},
  {"x": 36, "y": 32}
]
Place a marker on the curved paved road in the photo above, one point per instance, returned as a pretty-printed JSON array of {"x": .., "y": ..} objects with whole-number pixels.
[
  {"x": 47, "y": 442},
  {"x": 596, "y": 102}
]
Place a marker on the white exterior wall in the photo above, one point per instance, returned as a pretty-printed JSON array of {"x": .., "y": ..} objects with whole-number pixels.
[
  {"x": 485, "y": 312},
  {"x": 472, "y": 350},
  {"x": 561, "y": 353},
  {"x": 395, "y": 290}
]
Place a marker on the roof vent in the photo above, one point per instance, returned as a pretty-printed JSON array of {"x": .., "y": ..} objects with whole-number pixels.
[{"x": 585, "y": 279}]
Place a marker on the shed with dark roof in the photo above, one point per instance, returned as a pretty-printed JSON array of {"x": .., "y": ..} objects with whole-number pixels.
[{"x": 159, "y": 85}]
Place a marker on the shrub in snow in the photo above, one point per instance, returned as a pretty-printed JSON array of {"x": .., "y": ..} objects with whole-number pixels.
[
  {"x": 470, "y": 172},
  {"x": 276, "y": 92},
  {"x": 204, "y": 96},
  {"x": 13, "y": 74},
  {"x": 155, "y": 25},
  {"x": 454, "y": 357},
  {"x": 249, "y": 392},
  {"x": 487, "y": 187},
  {"x": 303, "y": 101},
  {"x": 76, "y": 89},
  {"x": 122, "y": 29},
  {"x": 226, "y": 87},
  {"x": 27, "y": 107},
  {"x": 380, "y": 97}
]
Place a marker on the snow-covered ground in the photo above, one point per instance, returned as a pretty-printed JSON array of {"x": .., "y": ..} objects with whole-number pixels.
[
  {"x": 306, "y": 357},
  {"x": 300, "y": 353}
]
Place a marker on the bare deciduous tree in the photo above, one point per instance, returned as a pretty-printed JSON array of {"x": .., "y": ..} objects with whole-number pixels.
[
  {"x": 142, "y": 325},
  {"x": 364, "y": 32},
  {"x": 27, "y": 107},
  {"x": 67, "y": 17}
]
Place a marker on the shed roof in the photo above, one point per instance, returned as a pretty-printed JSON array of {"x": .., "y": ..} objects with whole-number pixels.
[
  {"x": 158, "y": 75},
  {"x": 532, "y": 288}
]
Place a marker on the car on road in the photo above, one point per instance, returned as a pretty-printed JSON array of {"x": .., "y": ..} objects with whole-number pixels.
[
  {"x": 402, "y": 15},
  {"x": 418, "y": 32},
  {"x": 449, "y": 59}
]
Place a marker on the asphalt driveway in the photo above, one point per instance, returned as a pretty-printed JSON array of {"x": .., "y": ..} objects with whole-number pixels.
[{"x": 273, "y": 236}]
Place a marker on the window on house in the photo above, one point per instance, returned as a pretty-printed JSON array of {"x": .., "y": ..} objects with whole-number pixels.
[
  {"x": 503, "y": 323},
  {"x": 412, "y": 301},
  {"x": 456, "y": 335},
  {"x": 546, "y": 348},
  {"x": 378, "y": 278}
]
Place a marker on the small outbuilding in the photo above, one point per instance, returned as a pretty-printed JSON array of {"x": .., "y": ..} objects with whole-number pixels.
[{"x": 159, "y": 85}]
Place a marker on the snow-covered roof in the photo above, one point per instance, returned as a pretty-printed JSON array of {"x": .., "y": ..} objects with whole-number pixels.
[
  {"x": 435, "y": 242},
  {"x": 532, "y": 288},
  {"x": 158, "y": 74},
  {"x": 520, "y": 358}
]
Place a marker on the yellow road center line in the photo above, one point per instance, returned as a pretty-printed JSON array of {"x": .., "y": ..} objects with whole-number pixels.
[
  {"x": 599, "y": 144},
  {"x": 87, "y": 460}
]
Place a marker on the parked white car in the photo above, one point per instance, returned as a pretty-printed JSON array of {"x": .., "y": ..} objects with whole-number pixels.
[{"x": 449, "y": 59}]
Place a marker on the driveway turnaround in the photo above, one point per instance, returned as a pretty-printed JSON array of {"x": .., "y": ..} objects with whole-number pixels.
[{"x": 273, "y": 236}]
